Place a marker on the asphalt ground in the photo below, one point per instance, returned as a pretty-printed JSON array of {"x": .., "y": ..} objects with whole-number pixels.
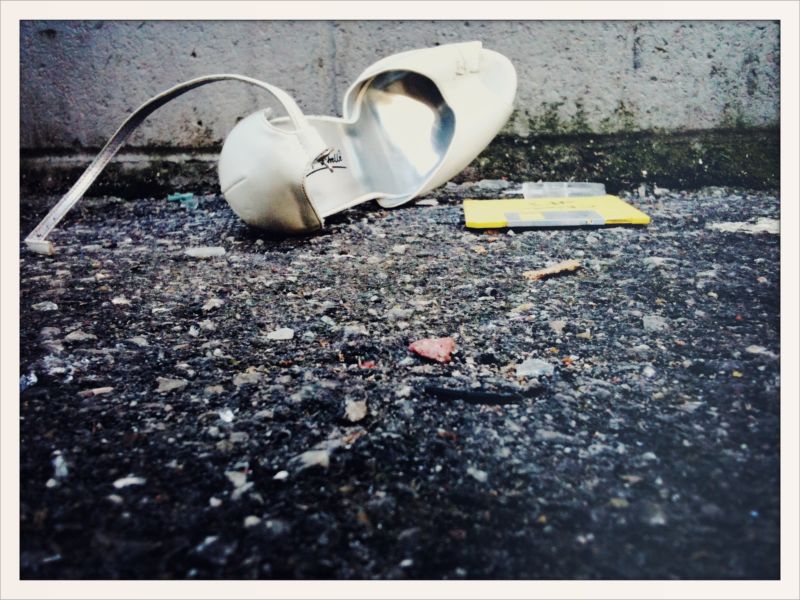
[{"x": 643, "y": 443}]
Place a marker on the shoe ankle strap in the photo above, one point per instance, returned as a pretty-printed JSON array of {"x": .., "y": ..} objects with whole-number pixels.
[{"x": 307, "y": 136}]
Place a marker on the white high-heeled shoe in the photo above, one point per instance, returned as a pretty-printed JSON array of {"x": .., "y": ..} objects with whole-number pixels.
[{"x": 412, "y": 121}]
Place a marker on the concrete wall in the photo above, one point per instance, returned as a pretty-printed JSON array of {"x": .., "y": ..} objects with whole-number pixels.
[{"x": 79, "y": 80}]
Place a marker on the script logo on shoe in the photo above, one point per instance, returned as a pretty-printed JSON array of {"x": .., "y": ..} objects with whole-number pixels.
[{"x": 330, "y": 160}]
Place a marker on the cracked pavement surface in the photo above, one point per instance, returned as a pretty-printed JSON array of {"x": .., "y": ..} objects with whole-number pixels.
[{"x": 257, "y": 413}]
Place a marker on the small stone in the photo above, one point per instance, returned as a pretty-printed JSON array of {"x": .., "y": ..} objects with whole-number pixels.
[
  {"x": 212, "y": 303},
  {"x": 96, "y": 391},
  {"x": 251, "y": 521},
  {"x": 428, "y": 202},
  {"x": 438, "y": 349},
  {"x": 493, "y": 185},
  {"x": 239, "y": 437},
  {"x": 237, "y": 478},
  {"x": 128, "y": 481},
  {"x": 477, "y": 474},
  {"x": 534, "y": 367},
  {"x": 248, "y": 377},
  {"x": 557, "y": 326},
  {"x": 618, "y": 503},
  {"x": 654, "y": 323},
  {"x": 547, "y": 435},
  {"x": 214, "y": 502},
  {"x": 208, "y": 325},
  {"x": 653, "y": 262},
  {"x": 51, "y": 483},
  {"x": 205, "y": 251},
  {"x": 281, "y": 476},
  {"x": 399, "y": 248},
  {"x": 654, "y": 515},
  {"x": 45, "y": 306},
  {"x": 79, "y": 336},
  {"x": 648, "y": 372},
  {"x": 139, "y": 341},
  {"x": 281, "y": 334},
  {"x": 354, "y": 330},
  {"x": 226, "y": 415},
  {"x": 406, "y": 563},
  {"x": 115, "y": 499},
  {"x": 314, "y": 458},
  {"x": 120, "y": 300},
  {"x": 355, "y": 410},
  {"x": 166, "y": 385}
]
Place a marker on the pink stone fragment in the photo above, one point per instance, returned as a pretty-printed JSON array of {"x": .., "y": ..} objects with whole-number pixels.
[{"x": 437, "y": 349}]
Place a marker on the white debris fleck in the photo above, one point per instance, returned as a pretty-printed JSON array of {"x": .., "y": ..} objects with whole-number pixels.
[
  {"x": 281, "y": 475},
  {"x": 237, "y": 478},
  {"x": 355, "y": 410},
  {"x": 284, "y": 333},
  {"x": 762, "y": 225},
  {"x": 120, "y": 300},
  {"x": 166, "y": 384},
  {"x": 214, "y": 502},
  {"x": 129, "y": 480},
  {"x": 654, "y": 323},
  {"x": 60, "y": 469},
  {"x": 45, "y": 306},
  {"x": 251, "y": 521},
  {"x": 212, "y": 303},
  {"x": 226, "y": 415},
  {"x": 205, "y": 251},
  {"x": 314, "y": 458},
  {"x": 754, "y": 349},
  {"x": 477, "y": 474},
  {"x": 534, "y": 367},
  {"x": 139, "y": 341},
  {"x": 79, "y": 336}
]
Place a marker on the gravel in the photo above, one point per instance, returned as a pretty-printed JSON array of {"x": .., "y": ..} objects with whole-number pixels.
[{"x": 650, "y": 451}]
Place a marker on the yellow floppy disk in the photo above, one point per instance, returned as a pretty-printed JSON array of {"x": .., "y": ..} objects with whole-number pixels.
[{"x": 575, "y": 211}]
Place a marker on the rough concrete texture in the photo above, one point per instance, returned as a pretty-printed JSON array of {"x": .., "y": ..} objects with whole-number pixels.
[
  {"x": 80, "y": 79},
  {"x": 620, "y": 421}
]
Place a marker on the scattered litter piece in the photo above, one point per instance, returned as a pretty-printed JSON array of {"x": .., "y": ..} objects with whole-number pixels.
[
  {"x": 754, "y": 349},
  {"x": 166, "y": 384},
  {"x": 428, "y": 202},
  {"x": 284, "y": 333},
  {"x": 237, "y": 478},
  {"x": 552, "y": 212},
  {"x": 96, "y": 392},
  {"x": 438, "y": 349},
  {"x": 355, "y": 410},
  {"x": 562, "y": 267},
  {"x": 212, "y": 303},
  {"x": 477, "y": 474},
  {"x": 762, "y": 225},
  {"x": 534, "y": 367},
  {"x": 314, "y": 458},
  {"x": 45, "y": 306},
  {"x": 251, "y": 521},
  {"x": 129, "y": 480},
  {"x": 205, "y": 251},
  {"x": 79, "y": 336}
]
